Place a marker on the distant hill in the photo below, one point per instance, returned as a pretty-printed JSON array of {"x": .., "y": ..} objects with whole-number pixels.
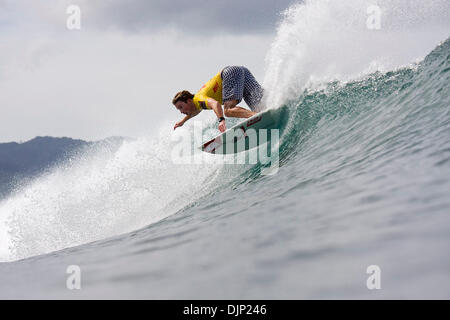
[{"x": 20, "y": 161}]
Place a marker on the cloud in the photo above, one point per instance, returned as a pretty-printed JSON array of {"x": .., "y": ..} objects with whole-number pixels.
[
  {"x": 205, "y": 18},
  {"x": 199, "y": 16}
]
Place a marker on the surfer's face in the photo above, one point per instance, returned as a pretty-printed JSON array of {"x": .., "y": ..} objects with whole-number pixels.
[{"x": 183, "y": 107}]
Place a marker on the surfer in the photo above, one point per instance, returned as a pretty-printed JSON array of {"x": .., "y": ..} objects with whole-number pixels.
[{"x": 227, "y": 87}]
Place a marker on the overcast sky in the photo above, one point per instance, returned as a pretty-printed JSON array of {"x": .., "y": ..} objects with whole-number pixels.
[{"x": 119, "y": 72}]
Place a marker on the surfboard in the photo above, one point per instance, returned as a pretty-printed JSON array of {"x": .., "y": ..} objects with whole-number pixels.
[{"x": 245, "y": 135}]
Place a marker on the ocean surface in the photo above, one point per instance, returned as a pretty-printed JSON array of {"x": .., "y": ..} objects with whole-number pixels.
[{"x": 363, "y": 180}]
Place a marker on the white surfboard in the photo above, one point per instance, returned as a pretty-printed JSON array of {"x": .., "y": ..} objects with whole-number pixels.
[{"x": 241, "y": 137}]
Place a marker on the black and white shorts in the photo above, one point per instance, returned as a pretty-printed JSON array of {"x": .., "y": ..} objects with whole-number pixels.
[{"x": 237, "y": 83}]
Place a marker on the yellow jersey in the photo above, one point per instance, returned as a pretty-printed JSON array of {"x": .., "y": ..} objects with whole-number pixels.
[{"x": 211, "y": 89}]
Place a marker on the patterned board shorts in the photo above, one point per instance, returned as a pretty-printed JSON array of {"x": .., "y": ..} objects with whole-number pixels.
[{"x": 237, "y": 83}]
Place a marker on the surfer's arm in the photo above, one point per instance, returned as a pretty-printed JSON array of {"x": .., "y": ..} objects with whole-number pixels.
[
  {"x": 217, "y": 107},
  {"x": 186, "y": 118}
]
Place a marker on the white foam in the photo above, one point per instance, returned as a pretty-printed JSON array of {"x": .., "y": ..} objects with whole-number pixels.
[
  {"x": 322, "y": 40},
  {"x": 98, "y": 195}
]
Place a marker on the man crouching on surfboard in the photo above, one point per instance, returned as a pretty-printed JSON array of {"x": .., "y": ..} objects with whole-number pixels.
[{"x": 228, "y": 86}]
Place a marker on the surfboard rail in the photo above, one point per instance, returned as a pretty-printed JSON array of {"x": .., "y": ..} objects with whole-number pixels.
[{"x": 228, "y": 142}]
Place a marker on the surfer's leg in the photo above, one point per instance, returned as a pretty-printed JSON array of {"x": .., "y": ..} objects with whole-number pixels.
[
  {"x": 232, "y": 110},
  {"x": 253, "y": 91},
  {"x": 233, "y": 78},
  {"x": 232, "y": 83}
]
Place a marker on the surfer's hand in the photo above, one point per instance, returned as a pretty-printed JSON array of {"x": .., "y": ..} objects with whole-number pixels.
[
  {"x": 222, "y": 126},
  {"x": 178, "y": 124}
]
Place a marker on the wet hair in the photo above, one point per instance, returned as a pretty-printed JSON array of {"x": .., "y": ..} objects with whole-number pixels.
[{"x": 182, "y": 96}]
